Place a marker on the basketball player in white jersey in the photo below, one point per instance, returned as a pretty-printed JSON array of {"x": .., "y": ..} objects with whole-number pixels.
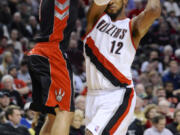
[{"x": 110, "y": 45}]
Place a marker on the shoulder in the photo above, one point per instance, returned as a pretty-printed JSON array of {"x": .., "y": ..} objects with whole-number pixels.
[
  {"x": 173, "y": 124},
  {"x": 147, "y": 131},
  {"x": 168, "y": 131},
  {"x": 6, "y": 126},
  {"x": 167, "y": 74},
  {"x": 23, "y": 129}
]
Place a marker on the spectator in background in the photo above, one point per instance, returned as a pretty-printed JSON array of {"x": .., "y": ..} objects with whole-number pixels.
[
  {"x": 12, "y": 126},
  {"x": 23, "y": 74},
  {"x": 173, "y": 75},
  {"x": 80, "y": 102},
  {"x": 135, "y": 128},
  {"x": 79, "y": 78},
  {"x": 15, "y": 57},
  {"x": 173, "y": 126},
  {"x": 33, "y": 26},
  {"x": 25, "y": 44},
  {"x": 162, "y": 36},
  {"x": 35, "y": 6},
  {"x": 1, "y": 31},
  {"x": 149, "y": 113},
  {"x": 20, "y": 85},
  {"x": 159, "y": 94},
  {"x": 28, "y": 116},
  {"x": 173, "y": 21},
  {"x": 168, "y": 51},
  {"x": 15, "y": 42},
  {"x": 155, "y": 79},
  {"x": 6, "y": 62},
  {"x": 167, "y": 56},
  {"x": 164, "y": 109},
  {"x": 143, "y": 79},
  {"x": 17, "y": 23},
  {"x": 3, "y": 44},
  {"x": 4, "y": 99},
  {"x": 153, "y": 55},
  {"x": 8, "y": 83},
  {"x": 170, "y": 96},
  {"x": 13, "y": 5},
  {"x": 77, "y": 126},
  {"x": 149, "y": 92},
  {"x": 5, "y": 13},
  {"x": 25, "y": 10},
  {"x": 138, "y": 110},
  {"x": 171, "y": 5},
  {"x": 159, "y": 123},
  {"x": 2, "y": 117},
  {"x": 140, "y": 90},
  {"x": 177, "y": 55}
]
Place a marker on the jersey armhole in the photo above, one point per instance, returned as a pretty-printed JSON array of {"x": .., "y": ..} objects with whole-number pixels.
[
  {"x": 85, "y": 35},
  {"x": 130, "y": 28}
]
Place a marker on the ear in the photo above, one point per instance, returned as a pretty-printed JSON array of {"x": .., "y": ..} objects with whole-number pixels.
[{"x": 9, "y": 117}]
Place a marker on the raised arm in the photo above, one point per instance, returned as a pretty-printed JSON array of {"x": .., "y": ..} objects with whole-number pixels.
[
  {"x": 141, "y": 23},
  {"x": 95, "y": 11}
]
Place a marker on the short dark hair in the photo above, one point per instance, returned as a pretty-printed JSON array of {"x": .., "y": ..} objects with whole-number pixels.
[
  {"x": 10, "y": 110},
  {"x": 157, "y": 118},
  {"x": 24, "y": 63},
  {"x": 11, "y": 67}
]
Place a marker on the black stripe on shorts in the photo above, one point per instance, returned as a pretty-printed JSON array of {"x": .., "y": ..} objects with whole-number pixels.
[{"x": 120, "y": 111}]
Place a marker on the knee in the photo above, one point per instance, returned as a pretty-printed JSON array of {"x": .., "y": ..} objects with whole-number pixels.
[{"x": 87, "y": 132}]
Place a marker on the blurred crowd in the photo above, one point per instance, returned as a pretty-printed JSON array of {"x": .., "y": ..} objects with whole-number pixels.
[{"x": 156, "y": 70}]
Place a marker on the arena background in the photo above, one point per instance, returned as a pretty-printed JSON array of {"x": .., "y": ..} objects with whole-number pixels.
[{"x": 156, "y": 69}]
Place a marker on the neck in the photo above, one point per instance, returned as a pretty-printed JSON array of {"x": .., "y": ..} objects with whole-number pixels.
[
  {"x": 13, "y": 124},
  {"x": 121, "y": 15}
]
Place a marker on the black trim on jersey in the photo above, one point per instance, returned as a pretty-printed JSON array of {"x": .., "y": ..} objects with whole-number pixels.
[
  {"x": 102, "y": 69},
  {"x": 120, "y": 111},
  {"x": 47, "y": 20},
  {"x": 42, "y": 39},
  {"x": 47, "y": 17},
  {"x": 69, "y": 68}
]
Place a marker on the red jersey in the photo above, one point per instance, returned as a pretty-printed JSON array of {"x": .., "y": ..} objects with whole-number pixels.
[{"x": 54, "y": 18}]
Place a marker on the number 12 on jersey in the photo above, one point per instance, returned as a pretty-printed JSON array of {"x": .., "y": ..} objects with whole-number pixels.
[{"x": 116, "y": 47}]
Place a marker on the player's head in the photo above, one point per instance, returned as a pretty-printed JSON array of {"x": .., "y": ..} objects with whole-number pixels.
[{"x": 115, "y": 7}]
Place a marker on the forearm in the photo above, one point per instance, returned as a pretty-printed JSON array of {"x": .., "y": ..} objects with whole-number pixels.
[
  {"x": 23, "y": 90},
  {"x": 142, "y": 22},
  {"x": 96, "y": 10}
]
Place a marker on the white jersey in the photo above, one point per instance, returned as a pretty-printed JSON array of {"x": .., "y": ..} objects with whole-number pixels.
[{"x": 109, "y": 52}]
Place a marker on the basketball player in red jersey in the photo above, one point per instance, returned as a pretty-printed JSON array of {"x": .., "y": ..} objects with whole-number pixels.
[
  {"x": 49, "y": 66},
  {"x": 110, "y": 46}
]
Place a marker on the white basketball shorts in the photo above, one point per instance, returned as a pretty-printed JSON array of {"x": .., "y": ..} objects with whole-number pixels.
[{"x": 110, "y": 112}]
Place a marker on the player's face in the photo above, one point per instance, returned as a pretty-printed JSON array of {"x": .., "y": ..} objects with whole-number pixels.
[{"x": 115, "y": 7}]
